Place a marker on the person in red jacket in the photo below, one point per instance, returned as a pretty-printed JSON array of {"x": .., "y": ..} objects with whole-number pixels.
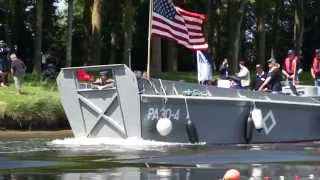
[
  {"x": 315, "y": 68},
  {"x": 290, "y": 67}
]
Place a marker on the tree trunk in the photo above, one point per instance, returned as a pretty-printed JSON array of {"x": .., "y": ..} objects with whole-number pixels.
[
  {"x": 128, "y": 31},
  {"x": 69, "y": 41},
  {"x": 96, "y": 31},
  {"x": 38, "y": 40},
  {"x": 212, "y": 26},
  {"x": 299, "y": 26},
  {"x": 92, "y": 19},
  {"x": 275, "y": 30},
  {"x": 155, "y": 64},
  {"x": 172, "y": 61},
  {"x": 235, "y": 17},
  {"x": 261, "y": 31}
]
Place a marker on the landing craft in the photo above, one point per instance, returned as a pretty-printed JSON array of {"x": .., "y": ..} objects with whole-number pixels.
[{"x": 184, "y": 112}]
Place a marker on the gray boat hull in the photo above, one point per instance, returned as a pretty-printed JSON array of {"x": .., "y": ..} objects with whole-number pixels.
[
  {"x": 226, "y": 122},
  {"x": 133, "y": 107}
]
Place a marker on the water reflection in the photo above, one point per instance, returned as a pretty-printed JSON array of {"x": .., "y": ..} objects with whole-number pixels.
[
  {"x": 154, "y": 161},
  {"x": 254, "y": 173}
]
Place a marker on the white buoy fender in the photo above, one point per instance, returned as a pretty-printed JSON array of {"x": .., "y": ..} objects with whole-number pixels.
[
  {"x": 256, "y": 115},
  {"x": 164, "y": 126}
]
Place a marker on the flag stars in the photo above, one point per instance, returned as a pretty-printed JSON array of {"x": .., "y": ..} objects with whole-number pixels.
[{"x": 164, "y": 8}]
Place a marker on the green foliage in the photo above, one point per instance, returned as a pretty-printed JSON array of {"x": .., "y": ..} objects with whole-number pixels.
[{"x": 39, "y": 101}]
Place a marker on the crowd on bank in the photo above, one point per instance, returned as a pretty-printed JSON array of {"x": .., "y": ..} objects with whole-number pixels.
[
  {"x": 271, "y": 80},
  {"x": 10, "y": 64}
]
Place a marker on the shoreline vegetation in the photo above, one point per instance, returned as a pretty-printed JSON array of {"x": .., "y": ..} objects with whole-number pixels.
[{"x": 39, "y": 107}]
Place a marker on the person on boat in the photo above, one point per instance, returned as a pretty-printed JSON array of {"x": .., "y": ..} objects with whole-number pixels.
[
  {"x": 224, "y": 69},
  {"x": 103, "y": 82},
  {"x": 244, "y": 75},
  {"x": 260, "y": 77},
  {"x": 315, "y": 68},
  {"x": 290, "y": 67},
  {"x": 235, "y": 82},
  {"x": 274, "y": 78}
]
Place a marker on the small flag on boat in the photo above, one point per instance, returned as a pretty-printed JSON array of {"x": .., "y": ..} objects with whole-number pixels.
[
  {"x": 184, "y": 27},
  {"x": 204, "y": 67}
]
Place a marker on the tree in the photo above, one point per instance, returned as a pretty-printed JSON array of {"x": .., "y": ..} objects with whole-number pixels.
[
  {"x": 172, "y": 57},
  {"x": 69, "y": 36},
  {"x": 92, "y": 21},
  {"x": 38, "y": 40},
  {"x": 128, "y": 27},
  {"x": 235, "y": 16},
  {"x": 298, "y": 26},
  {"x": 261, "y": 7},
  {"x": 156, "y": 58}
]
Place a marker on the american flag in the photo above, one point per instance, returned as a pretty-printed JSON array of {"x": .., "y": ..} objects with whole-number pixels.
[{"x": 185, "y": 27}]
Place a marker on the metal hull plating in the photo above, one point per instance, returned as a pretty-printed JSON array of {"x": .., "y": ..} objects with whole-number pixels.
[
  {"x": 133, "y": 107},
  {"x": 226, "y": 121}
]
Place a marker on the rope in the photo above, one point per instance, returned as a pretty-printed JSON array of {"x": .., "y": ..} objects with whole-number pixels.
[
  {"x": 154, "y": 88},
  {"x": 164, "y": 91}
]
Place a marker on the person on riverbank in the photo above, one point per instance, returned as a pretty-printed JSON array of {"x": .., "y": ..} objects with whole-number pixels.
[
  {"x": 274, "y": 78},
  {"x": 315, "y": 68},
  {"x": 4, "y": 64},
  {"x": 18, "y": 69}
]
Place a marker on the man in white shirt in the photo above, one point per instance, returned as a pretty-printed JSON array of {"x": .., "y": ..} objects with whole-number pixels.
[{"x": 244, "y": 75}]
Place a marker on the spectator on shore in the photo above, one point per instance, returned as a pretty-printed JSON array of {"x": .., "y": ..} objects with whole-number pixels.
[
  {"x": 18, "y": 69},
  {"x": 315, "y": 68},
  {"x": 274, "y": 78},
  {"x": 260, "y": 77},
  {"x": 244, "y": 75},
  {"x": 4, "y": 64}
]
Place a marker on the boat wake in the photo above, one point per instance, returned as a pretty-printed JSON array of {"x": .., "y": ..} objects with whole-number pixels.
[{"x": 133, "y": 143}]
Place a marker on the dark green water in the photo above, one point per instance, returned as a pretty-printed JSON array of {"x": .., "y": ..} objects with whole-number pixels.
[{"x": 102, "y": 159}]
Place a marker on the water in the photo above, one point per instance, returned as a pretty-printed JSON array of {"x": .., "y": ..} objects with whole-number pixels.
[{"x": 134, "y": 159}]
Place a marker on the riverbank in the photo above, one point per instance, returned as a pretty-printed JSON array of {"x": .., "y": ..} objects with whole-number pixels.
[
  {"x": 23, "y": 135},
  {"x": 38, "y": 108}
]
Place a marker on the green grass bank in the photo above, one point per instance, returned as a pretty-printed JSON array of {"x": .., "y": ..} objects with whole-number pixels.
[{"x": 38, "y": 108}]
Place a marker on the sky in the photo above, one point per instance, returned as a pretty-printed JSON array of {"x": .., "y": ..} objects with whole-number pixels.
[{"x": 61, "y": 4}]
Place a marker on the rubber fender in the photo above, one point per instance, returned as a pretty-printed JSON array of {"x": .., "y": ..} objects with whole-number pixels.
[
  {"x": 192, "y": 132},
  {"x": 248, "y": 129}
]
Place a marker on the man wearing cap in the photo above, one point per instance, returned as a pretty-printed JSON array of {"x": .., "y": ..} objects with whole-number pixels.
[
  {"x": 260, "y": 77},
  {"x": 273, "y": 80},
  {"x": 103, "y": 82},
  {"x": 290, "y": 66},
  {"x": 315, "y": 68}
]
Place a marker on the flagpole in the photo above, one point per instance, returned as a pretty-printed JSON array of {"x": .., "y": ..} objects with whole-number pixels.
[{"x": 149, "y": 37}]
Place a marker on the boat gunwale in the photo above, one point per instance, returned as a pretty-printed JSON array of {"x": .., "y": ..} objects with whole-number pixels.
[{"x": 238, "y": 99}]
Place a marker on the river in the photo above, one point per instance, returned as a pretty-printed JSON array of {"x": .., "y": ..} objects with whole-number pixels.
[{"x": 134, "y": 159}]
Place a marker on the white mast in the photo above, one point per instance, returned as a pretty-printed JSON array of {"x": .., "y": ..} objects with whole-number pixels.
[{"x": 149, "y": 37}]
